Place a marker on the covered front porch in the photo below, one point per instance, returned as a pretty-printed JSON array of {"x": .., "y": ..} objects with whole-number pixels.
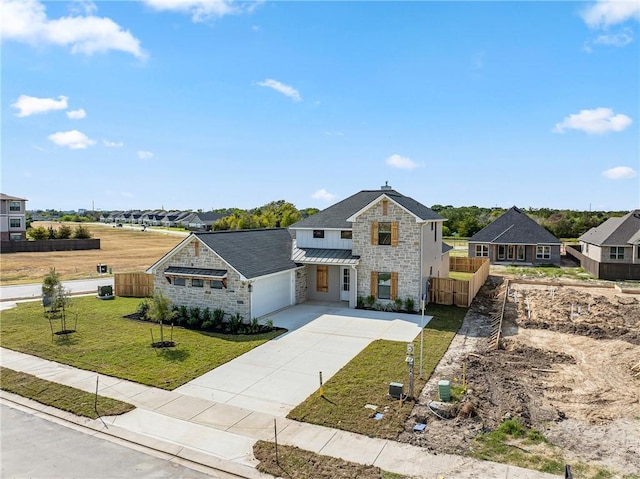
[{"x": 331, "y": 274}]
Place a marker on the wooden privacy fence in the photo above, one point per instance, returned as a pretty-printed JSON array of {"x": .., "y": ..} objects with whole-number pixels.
[
  {"x": 133, "y": 285},
  {"x": 460, "y": 292}
]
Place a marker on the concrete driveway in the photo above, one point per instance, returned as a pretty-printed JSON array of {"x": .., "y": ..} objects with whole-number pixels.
[{"x": 280, "y": 374}]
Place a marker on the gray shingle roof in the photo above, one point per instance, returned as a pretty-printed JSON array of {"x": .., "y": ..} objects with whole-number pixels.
[
  {"x": 335, "y": 216},
  {"x": 615, "y": 231},
  {"x": 446, "y": 247},
  {"x": 9, "y": 197},
  {"x": 514, "y": 227},
  {"x": 252, "y": 253},
  {"x": 209, "y": 216}
]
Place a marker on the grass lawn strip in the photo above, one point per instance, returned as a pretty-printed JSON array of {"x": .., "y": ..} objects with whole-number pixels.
[
  {"x": 366, "y": 378},
  {"x": 295, "y": 463},
  {"x": 62, "y": 397},
  {"x": 108, "y": 344}
]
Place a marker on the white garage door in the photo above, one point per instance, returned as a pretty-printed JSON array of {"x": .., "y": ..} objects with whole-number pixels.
[{"x": 270, "y": 294}]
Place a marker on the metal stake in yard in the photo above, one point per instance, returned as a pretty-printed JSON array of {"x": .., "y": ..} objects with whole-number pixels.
[
  {"x": 321, "y": 388},
  {"x": 275, "y": 436}
]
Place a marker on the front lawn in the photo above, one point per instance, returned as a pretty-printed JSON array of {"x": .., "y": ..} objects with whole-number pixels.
[
  {"x": 365, "y": 380},
  {"x": 108, "y": 344}
]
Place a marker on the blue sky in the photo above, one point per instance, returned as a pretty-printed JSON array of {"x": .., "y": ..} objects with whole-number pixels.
[{"x": 188, "y": 104}]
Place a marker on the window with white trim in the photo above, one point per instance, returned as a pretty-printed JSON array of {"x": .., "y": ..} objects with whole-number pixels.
[
  {"x": 521, "y": 255},
  {"x": 482, "y": 250},
  {"x": 15, "y": 222},
  {"x": 15, "y": 236},
  {"x": 502, "y": 251},
  {"x": 15, "y": 206},
  {"x": 616, "y": 252},
  {"x": 543, "y": 252}
]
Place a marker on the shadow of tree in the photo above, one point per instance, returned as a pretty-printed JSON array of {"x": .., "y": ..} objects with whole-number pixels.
[{"x": 177, "y": 355}]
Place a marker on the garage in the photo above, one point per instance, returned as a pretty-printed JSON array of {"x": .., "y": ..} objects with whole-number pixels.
[{"x": 272, "y": 293}]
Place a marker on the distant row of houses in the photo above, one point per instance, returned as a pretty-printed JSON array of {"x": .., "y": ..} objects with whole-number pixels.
[{"x": 186, "y": 219}]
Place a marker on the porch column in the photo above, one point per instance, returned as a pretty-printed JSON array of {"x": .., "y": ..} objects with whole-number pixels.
[{"x": 353, "y": 288}]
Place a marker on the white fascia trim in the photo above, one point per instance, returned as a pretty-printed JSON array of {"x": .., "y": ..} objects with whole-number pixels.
[
  {"x": 152, "y": 269},
  {"x": 353, "y": 217},
  {"x": 267, "y": 276},
  {"x": 323, "y": 228}
]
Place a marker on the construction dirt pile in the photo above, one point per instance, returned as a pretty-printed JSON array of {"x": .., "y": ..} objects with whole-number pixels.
[{"x": 569, "y": 366}]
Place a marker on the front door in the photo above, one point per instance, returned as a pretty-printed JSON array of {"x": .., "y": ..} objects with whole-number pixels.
[{"x": 345, "y": 285}]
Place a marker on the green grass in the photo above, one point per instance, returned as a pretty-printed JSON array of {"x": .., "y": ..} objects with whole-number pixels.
[
  {"x": 69, "y": 399},
  {"x": 460, "y": 275},
  {"x": 108, "y": 344},
  {"x": 551, "y": 272},
  {"x": 295, "y": 463},
  {"x": 365, "y": 380}
]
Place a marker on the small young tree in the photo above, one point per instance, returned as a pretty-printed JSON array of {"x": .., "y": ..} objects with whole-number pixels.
[
  {"x": 161, "y": 311},
  {"x": 81, "y": 232},
  {"x": 64, "y": 232},
  {"x": 56, "y": 298},
  {"x": 52, "y": 232}
]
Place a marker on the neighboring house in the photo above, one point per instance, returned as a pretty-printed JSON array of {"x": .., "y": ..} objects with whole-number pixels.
[
  {"x": 515, "y": 238},
  {"x": 249, "y": 272},
  {"x": 612, "y": 250},
  {"x": 12, "y": 218},
  {"x": 204, "y": 221},
  {"x": 376, "y": 243}
]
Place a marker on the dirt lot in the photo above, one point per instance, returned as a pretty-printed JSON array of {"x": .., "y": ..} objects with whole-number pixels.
[
  {"x": 121, "y": 249},
  {"x": 574, "y": 378}
]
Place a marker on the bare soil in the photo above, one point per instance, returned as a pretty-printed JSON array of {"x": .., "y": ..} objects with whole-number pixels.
[{"x": 574, "y": 377}]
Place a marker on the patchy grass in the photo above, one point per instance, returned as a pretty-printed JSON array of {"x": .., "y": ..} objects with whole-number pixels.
[
  {"x": 69, "y": 399},
  {"x": 295, "y": 463},
  {"x": 108, "y": 344},
  {"x": 513, "y": 443},
  {"x": 459, "y": 275},
  {"x": 121, "y": 249},
  {"x": 550, "y": 272},
  {"x": 365, "y": 380}
]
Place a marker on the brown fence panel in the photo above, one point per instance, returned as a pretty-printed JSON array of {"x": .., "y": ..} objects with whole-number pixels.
[
  {"x": 465, "y": 265},
  {"x": 459, "y": 292},
  {"x": 133, "y": 285}
]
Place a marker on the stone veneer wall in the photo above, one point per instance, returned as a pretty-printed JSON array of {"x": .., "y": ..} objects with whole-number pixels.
[
  {"x": 234, "y": 299},
  {"x": 301, "y": 285},
  {"x": 403, "y": 259}
]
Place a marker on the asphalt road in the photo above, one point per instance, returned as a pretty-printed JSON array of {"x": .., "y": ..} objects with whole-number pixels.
[
  {"x": 34, "y": 290},
  {"x": 32, "y": 447}
]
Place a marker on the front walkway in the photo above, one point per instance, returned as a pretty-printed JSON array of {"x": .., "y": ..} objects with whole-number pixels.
[{"x": 219, "y": 434}]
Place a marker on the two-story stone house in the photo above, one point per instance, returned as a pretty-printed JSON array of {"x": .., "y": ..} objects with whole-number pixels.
[
  {"x": 376, "y": 243},
  {"x": 12, "y": 218}
]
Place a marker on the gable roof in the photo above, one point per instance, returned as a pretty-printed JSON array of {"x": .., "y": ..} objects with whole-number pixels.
[
  {"x": 615, "y": 231},
  {"x": 9, "y": 197},
  {"x": 336, "y": 216},
  {"x": 514, "y": 227},
  {"x": 208, "y": 217},
  {"x": 252, "y": 253}
]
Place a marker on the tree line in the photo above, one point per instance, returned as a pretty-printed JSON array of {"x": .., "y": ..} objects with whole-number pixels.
[{"x": 465, "y": 221}]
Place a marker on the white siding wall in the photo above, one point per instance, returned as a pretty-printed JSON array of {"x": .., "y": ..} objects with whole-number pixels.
[
  {"x": 432, "y": 258},
  {"x": 331, "y": 240}
]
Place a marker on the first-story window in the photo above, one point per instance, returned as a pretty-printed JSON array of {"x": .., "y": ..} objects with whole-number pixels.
[
  {"x": 216, "y": 284},
  {"x": 521, "y": 254},
  {"x": 482, "y": 250},
  {"x": 502, "y": 251},
  {"x": 179, "y": 281},
  {"x": 15, "y": 222},
  {"x": 616, "y": 252},
  {"x": 384, "y": 285},
  {"x": 197, "y": 283},
  {"x": 543, "y": 252},
  {"x": 15, "y": 236}
]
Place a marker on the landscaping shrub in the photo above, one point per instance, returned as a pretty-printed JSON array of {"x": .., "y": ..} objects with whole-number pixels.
[
  {"x": 217, "y": 318},
  {"x": 64, "y": 232},
  {"x": 398, "y": 304},
  {"x": 194, "y": 321},
  {"x": 39, "y": 233},
  {"x": 409, "y": 304},
  {"x": 235, "y": 323},
  {"x": 370, "y": 301},
  {"x": 143, "y": 308},
  {"x": 81, "y": 232}
]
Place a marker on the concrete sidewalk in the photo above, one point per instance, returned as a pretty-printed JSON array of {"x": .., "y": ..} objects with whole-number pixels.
[{"x": 222, "y": 436}]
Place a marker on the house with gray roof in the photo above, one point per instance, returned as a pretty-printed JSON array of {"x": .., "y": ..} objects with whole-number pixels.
[
  {"x": 515, "y": 238},
  {"x": 612, "y": 250},
  {"x": 376, "y": 243}
]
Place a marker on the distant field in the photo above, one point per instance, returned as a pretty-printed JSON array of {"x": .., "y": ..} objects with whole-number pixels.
[{"x": 121, "y": 249}]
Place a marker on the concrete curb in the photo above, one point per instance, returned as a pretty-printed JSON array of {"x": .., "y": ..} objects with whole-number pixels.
[{"x": 185, "y": 456}]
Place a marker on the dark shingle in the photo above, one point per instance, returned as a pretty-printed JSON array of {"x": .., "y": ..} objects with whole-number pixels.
[
  {"x": 514, "y": 227},
  {"x": 614, "y": 231},
  {"x": 252, "y": 253},
  {"x": 335, "y": 216}
]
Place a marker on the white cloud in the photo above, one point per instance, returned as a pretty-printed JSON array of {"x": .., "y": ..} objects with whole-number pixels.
[
  {"x": 620, "y": 173},
  {"x": 610, "y": 12},
  {"x": 145, "y": 155},
  {"x": 596, "y": 121},
  {"x": 286, "y": 90},
  {"x": 323, "y": 195},
  {"x": 85, "y": 7},
  {"x": 112, "y": 144},
  {"x": 403, "y": 162},
  {"x": 73, "y": 139},
  {"x": 31, "y": 105},
  {"x": 203, "y": 10},
  {"x": 26, "y": 21},
  {"x": 620, "y": 39},
  {"x": 77, "y": 114}
]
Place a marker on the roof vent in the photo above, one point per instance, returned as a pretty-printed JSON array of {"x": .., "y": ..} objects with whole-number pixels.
[{"x": 386, "y": 186}]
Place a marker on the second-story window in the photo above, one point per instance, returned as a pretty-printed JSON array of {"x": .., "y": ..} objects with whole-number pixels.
[
  {"x": 14, "y": 206},
  {"x": 346, "y": 234},
  {"x": 384, "y": 233},
  {"x": 318, "y": 233}
]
